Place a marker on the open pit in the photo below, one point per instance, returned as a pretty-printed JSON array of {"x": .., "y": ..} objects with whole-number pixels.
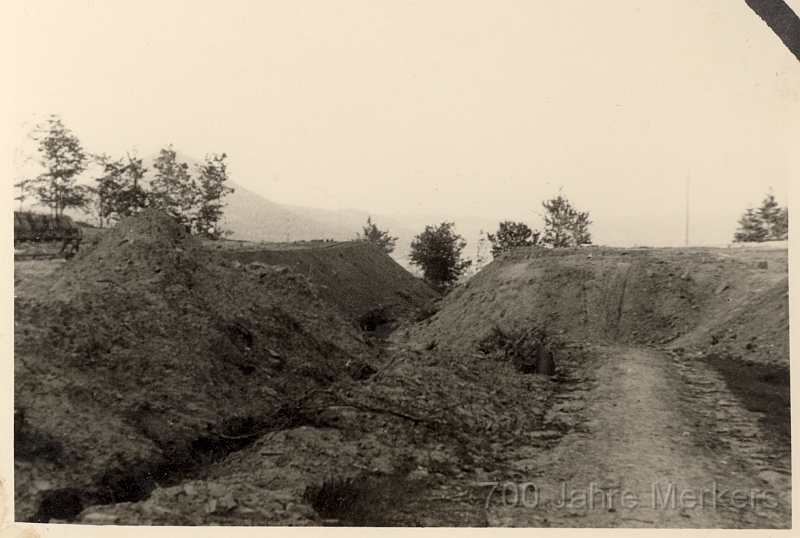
[{"x": 163, "y": 380}]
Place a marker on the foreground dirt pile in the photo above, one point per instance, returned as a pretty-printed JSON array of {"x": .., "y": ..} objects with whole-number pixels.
[
  {"x": 700, "y": 299},
  {"x": 358, "y": 278},
  {"x": 408, "y": 446},
  {"x": 148, "y": 355}
]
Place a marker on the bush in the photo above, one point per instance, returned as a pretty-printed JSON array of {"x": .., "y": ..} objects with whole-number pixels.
[
  {"x": 512, "y": 235},
  {"x": 370, "y": 321},
  {"x": 530, "y": 351},
  {"x": 381, "y": 238},
  {"x": 362, "y": 500}
]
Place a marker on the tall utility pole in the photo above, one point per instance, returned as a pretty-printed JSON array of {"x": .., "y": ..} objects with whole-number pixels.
[{"x": 687, "y": 209}]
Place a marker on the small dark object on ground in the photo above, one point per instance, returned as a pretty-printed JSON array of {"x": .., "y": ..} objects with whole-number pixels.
[{"x": 360, "y": 372}]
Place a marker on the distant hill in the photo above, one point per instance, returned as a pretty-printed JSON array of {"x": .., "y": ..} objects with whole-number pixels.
[{"x": 254, "y": 218}]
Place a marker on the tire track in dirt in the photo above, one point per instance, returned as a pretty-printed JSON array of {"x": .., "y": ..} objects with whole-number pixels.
[
  {"x": 642, "y": 430},
  {"x": 626, "y": 267}
]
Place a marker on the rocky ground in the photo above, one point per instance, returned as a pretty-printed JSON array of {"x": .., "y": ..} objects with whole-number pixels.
[{"x": 160, "y": 382}]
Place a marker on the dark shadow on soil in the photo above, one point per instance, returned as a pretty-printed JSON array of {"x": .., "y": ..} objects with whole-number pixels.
[
  {"x": 762, "y": 388},
  {"x": 175, "y": 464}
]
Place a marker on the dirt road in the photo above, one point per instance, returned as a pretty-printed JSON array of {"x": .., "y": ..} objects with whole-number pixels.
[{"x": 645, "y": 420}]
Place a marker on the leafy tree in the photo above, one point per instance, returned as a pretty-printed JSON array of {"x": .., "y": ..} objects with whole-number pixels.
[
  {"x": 120, "y": 192},
  {"x": 62, "y": 155},
  {"x": 512, "y": 235},
  {"x": 437, "y": 251},
  {"x": 79, "y": 197},
  {"x": 565, "y": 226},
  {"x": 173, "y": 190},
  {"x": 769, "y": 222},
  {"x": 212, "y": 175},
  {"x": 379, "y": 237},
  {"x": 25, "y": 187}
]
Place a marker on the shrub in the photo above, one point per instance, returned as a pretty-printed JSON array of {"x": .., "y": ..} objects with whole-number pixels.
[{"x": 437, "y": 251}]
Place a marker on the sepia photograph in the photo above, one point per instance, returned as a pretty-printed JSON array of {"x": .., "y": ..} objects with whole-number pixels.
[{"x": 357, "y": 263}]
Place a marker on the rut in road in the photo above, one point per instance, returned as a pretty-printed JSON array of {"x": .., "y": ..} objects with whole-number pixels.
[{"x": 640, "y": 427}]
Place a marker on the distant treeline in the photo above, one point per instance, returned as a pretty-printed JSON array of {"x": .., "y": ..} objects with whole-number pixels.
[
  {"x": 193, "y": 197},
  {"x": 438, "y": 250}
]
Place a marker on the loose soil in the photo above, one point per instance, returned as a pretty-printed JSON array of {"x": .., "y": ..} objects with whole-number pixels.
[
  {"x": 366, "y": 286},
  {"x": 162, "y": 380},
  {"x": 146, "y": 354}
]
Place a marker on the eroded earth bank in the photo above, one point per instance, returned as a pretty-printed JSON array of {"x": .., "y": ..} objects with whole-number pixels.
[{"x": 163, "y": 380}]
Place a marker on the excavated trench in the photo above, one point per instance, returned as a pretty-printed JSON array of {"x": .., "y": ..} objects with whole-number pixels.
[
  {"x": 674, "y": 300},
  {"x": 136, "y": 481}
]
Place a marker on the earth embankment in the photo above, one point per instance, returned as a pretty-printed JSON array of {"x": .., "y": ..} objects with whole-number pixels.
[
  {"x": 147, "y": 355},
  {"x": 357, "y": 278},
  {"x": 720, "y": 300},
  {"x": 686, "y": 380}
]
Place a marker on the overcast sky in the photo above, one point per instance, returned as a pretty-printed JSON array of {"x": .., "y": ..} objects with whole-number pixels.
[{"x": 477, "y": 108}]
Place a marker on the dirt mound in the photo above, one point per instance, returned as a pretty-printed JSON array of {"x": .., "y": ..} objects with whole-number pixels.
[
  {"x": 427, "y": 427},
  {"x": 367, "y": 286},
  {"x": 683, "y": 297},
  {"x": 727, "y": 309},
  {"x": 149, "y": 356}
]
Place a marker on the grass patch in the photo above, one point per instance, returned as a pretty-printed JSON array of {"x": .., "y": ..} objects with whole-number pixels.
[
  {"x": 362, "y": 500},
  {"x": 530, "y": 350}
]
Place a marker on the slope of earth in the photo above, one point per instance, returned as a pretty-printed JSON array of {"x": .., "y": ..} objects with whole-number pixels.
[
  {"x": 146, "y": 357},
  {"x": 357, "y": 278},
  {"x": 691, "y": 298},
  {"x": 408, "y": 446},
  {"x": 686, "y": 382}
]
